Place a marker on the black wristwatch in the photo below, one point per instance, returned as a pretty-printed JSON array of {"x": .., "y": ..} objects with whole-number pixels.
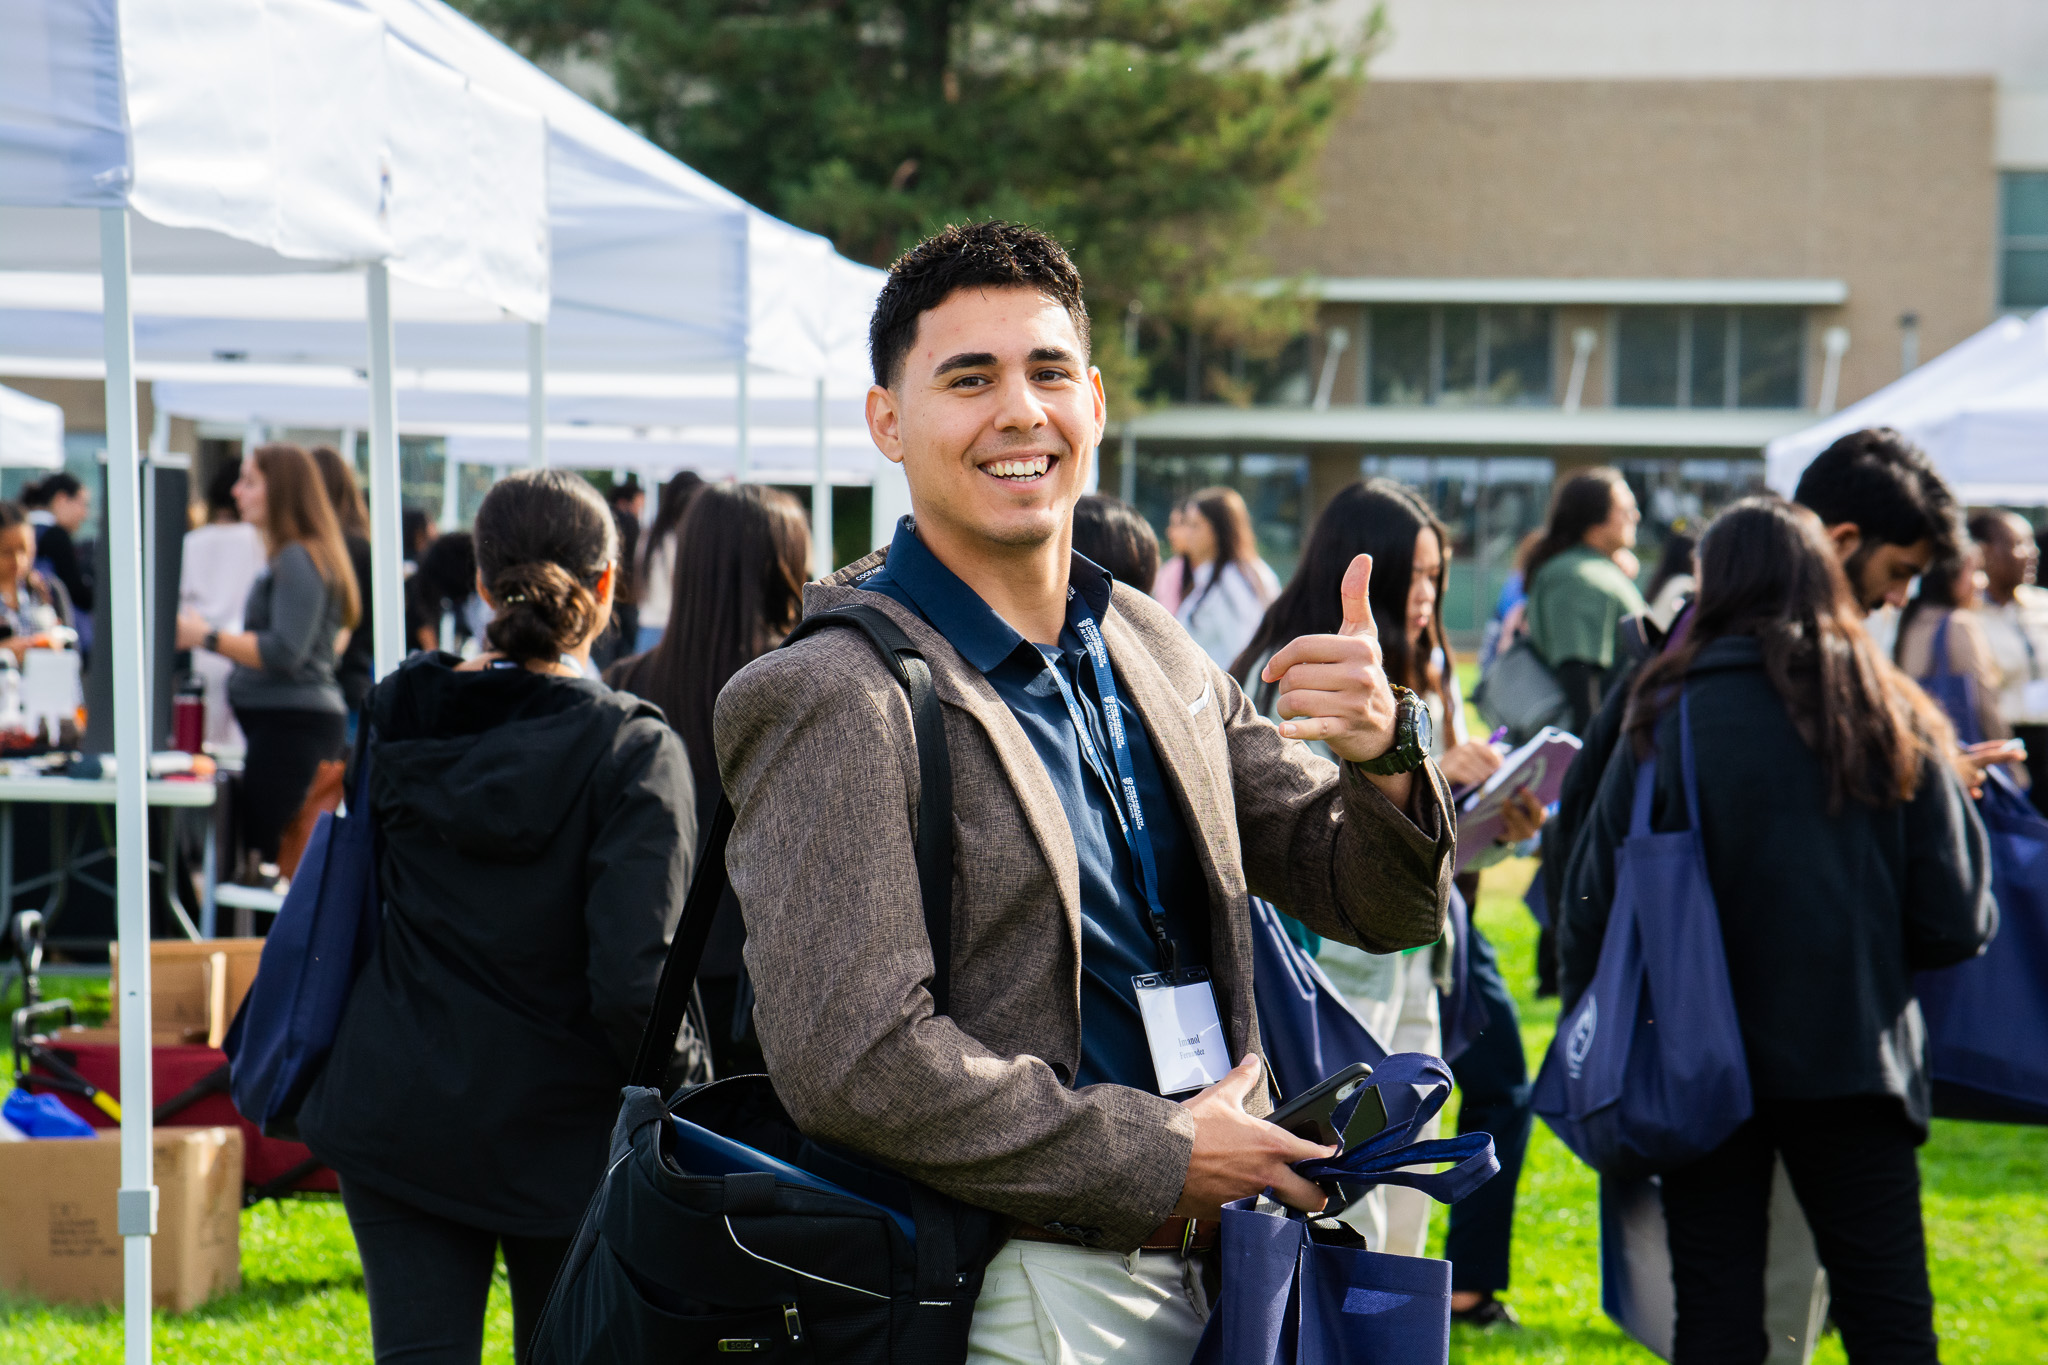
[
  {"x": 212, "y": 641},
  {"x": 1412, "y": 733}
]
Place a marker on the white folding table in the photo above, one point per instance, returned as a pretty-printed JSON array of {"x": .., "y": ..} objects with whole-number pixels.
[{"x": 60, "y": 792}]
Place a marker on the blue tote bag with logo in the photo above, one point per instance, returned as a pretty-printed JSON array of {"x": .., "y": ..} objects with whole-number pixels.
[
  {"x": 325, "y": 932},
  {"x": 1303, "y": 1292},
  {"x": 1648, "y": 1070}
]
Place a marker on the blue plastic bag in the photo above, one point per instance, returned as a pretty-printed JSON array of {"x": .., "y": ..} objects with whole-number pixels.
[
  {"x": 42, "y": 1116},
  {"x": 1648, "y": 1071},
  {"x": 324, "y": 934},
  {"x": 1306, "y": 1026},
  {"x": 1292, "y": 1298}
]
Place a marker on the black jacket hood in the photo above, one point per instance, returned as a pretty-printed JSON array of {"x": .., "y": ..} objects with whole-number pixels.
[{"x": 492, "y": 761}]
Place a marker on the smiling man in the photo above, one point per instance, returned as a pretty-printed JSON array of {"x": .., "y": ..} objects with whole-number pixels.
[{"x": 1115, "y": 800}]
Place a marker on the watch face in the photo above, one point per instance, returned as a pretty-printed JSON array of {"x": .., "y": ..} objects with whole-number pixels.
[{"x": 1425, "y": 728}]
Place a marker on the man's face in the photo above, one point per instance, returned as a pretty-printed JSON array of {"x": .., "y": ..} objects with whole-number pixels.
[
  {"x": 995, "y": 417},
  {"x": 1879, "y": 574},
  {"x": 2010, "y": 556}
]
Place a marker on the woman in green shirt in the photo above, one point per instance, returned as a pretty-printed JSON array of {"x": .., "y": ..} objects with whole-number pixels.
[{"x": 1578, "y": 596}]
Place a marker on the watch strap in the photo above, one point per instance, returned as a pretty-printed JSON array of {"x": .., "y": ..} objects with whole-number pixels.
[{"x": 1406, "y": 753}]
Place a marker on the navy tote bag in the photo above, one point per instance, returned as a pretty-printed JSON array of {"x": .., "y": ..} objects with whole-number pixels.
[
  {"x": 1303, "y": 1292},
  {"x": 325, "y": 932},
  {"x": 1306, "y": 1027},
  {"x": 1648, "y": 1070}
]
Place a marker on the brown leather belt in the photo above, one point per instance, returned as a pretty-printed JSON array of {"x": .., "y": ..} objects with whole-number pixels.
[{"x": 1175, "y": 1234}]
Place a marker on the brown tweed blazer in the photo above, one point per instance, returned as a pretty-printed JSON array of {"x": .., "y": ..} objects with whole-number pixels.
[{"x": 815, "y": 749}]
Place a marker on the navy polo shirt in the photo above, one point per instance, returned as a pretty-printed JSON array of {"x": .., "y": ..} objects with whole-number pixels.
[{"x": 1116, "y": 943}]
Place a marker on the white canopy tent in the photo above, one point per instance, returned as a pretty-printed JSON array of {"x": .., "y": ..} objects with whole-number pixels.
[
  {"x": 656, "y": 270},
  {"x": 238, "y": 138},
  {"x": 1980, "y": 409},
  {"x": 31, "y": 431}
]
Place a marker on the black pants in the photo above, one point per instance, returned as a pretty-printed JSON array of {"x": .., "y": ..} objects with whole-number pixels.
[
  {"x": 286, "y": 749},
  {"x": 1854, "y": 1169},
  {"x": 428, "y": 1279},
  {"x": 1493, "y": 1086}
]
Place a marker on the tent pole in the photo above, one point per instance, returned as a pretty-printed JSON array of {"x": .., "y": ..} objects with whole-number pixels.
[
  {"x": 1127, "y": 469},
  {"x": 386, "y": 531},
  {"x": 821, "y": 500},
  {"x": 743, "y": 464},
  {"x": 136, "y": 1206},
  {"x": 451, "y": 491},
  {"x": 537, "y": 394}
]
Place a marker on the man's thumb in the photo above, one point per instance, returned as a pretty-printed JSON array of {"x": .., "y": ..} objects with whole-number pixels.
[{"x": 1357, "y": 604}]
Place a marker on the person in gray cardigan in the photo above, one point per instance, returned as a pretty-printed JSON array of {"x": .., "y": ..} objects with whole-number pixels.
[{"x": 300, "y": 612}]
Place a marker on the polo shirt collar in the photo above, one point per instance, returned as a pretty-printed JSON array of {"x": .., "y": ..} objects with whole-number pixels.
[{"x": 957, "y": 612}]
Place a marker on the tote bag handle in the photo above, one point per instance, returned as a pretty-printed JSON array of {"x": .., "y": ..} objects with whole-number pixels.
[{"x": 934, "y": 844}]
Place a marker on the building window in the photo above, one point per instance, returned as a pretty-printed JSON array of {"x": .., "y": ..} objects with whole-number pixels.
[
  {"x": 1709, "y": 357},
  {"x": 1457, "y": 354},
  {"x": 2023, "y": 239}
]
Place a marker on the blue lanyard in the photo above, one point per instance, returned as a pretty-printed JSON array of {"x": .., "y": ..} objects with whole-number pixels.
[{"x": 1123, "y": 792}]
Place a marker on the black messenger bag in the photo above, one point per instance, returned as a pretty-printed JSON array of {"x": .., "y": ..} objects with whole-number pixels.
[{"x": 673, "y": 1265}]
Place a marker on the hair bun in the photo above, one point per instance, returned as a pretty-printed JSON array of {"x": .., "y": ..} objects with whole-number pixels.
[{"x": 542, "y": 611}]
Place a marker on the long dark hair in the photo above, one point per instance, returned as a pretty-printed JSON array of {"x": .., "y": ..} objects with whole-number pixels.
[
  {"x": 743, "y": 552},
  {"x": 1231, "y": 521},
  {"x": 544, "y": 539},
  {"x": 676, "y": 496},
  {"x": 1768, "y": 570},
  {"x": 1581, "y": 502},
  {"x": 1376, "y": 517},
  {"x": 1941, "y": 589}
]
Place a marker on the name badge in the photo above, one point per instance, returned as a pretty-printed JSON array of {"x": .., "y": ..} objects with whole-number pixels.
[{"x": 1183, "y": 1030}]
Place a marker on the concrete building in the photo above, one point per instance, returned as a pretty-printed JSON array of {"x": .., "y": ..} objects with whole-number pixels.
[{"x": 1595, "y": 231}]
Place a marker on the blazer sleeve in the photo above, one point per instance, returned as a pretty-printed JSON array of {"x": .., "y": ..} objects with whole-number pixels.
[
  {"x": 1589, "y": 877},
  {"x": 636, "y": 874},
  {"x": 1326, "y": 846},
  {"x": 1947, "y": 907},
  {"x": 821, "y": 767}
]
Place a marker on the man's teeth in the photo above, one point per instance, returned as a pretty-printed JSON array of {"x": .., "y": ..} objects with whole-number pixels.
[{"x": 1019, "y": 469}]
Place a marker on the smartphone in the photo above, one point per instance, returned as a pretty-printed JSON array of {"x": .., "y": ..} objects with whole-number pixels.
[{"x": 1315, "y": 1112}]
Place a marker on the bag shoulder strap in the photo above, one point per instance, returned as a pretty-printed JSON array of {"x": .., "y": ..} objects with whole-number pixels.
[{"x": 934, "y": 843}]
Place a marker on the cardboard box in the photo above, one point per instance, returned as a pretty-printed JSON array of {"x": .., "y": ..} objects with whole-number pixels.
[
  {"x": 58, "y": 1232},
  {"x": 195, "y": 987}
]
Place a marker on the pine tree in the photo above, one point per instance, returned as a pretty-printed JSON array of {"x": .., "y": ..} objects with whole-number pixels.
[{"x": 1153, "y": 137}]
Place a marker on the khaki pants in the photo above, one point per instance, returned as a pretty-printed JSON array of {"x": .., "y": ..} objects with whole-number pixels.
[{"x": 1046, "y": 1304}]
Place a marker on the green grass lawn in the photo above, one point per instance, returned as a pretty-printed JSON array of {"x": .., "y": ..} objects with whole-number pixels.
[{"x": 1987, "y": 1216}]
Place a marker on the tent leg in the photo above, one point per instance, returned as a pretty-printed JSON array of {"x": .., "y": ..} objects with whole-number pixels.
[
  {"x": 1127, "y": 471},
  {"x": 451, "y": 492},
  {"x": 742, "y": 462},
  {"x": 821, "y": 500},
  {"x": 386, "y": 533},
  {"x": 135, "y": 1209},
  {"x": 537, "y": 394}
]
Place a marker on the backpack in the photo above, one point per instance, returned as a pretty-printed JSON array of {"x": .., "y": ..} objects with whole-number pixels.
[{"x": 719, "y": 1227}]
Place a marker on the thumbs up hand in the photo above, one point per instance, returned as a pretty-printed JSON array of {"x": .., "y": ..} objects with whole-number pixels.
[{"x": 1334, "y": 687}]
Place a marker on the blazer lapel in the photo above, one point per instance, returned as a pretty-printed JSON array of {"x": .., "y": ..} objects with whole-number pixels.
[
  {"x": 1188, "y": 768},
  {"x": 958, "y": 684}
]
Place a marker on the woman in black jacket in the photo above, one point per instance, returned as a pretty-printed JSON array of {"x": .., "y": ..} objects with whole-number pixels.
[
  {"x": 538, "y": 830},
  {"x": 1844, "y": 856}
]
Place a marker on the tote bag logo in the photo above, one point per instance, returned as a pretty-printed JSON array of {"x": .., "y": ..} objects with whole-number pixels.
[{"x": 1581, "y": 1040}]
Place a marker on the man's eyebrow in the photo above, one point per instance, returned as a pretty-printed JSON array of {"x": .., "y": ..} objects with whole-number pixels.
[
  {"x": 1051, "y": 353},
  {"x": 966, "y": 360}
]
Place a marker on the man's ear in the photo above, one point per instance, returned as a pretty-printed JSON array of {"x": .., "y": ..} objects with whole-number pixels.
[
  {"x": 1848, "y": 539},
  {"x": 885, "y": 422}
]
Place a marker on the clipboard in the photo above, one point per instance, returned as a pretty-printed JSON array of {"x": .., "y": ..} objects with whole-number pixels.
[{"x": 1538, "y": 766}]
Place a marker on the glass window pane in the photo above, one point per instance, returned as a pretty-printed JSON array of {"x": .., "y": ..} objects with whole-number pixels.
[
  {"x": 1282, "y": 379},
  {"x": 1772, "y": 349},
  {"x": 1518, "y": 355},
  {"x": 1461, "y": 354},
  {"x": 1646, "y": 358},
  {"x": 2024, "y": 280},
  {"x": 1709, "y": 357},
  {"x": 2026, "y": 203},
  {"x": 1400, "y": 355}
]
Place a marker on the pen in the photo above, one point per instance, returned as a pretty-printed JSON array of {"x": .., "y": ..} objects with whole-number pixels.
[{"x": 1498, "y": 735}]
